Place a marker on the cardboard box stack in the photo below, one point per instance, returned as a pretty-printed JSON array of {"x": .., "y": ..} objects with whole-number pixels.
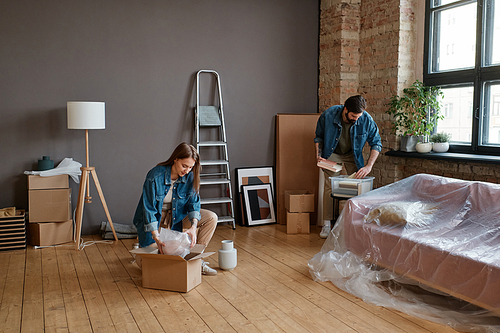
[
  {"x": 299, "y": 204},
  {"x": 49, "y": 210},
  {"x": 13, "y": 231}
]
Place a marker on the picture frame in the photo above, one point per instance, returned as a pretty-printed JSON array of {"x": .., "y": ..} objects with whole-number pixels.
[
  {"x": 251, "y": 176},
  {"x": 258, "y": 204}
]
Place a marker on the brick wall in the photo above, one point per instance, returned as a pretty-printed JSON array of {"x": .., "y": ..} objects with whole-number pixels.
[{"x": 370, "y": 47}]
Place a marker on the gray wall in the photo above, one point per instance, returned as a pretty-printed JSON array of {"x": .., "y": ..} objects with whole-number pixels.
[{"x": 140, "y": 58}]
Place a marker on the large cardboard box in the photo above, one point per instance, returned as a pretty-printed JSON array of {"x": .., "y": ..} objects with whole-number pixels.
[
  {"x": 295, "y": 158},
  {"x": 297, "y": 223},
  {"x": 172, "y": 273},
  {"x": 47, "y": 234},
  {"x": 299, "y": 201},
  {"x": 43, "y": 183},
  {"x": 49, "y": 205}
]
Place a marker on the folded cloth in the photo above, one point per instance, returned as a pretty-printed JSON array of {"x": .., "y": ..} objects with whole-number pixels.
[
  {"x": 9, "y": 211},
  {"x": 66, "y": 167},
  {"x": 122, "y": 230}
]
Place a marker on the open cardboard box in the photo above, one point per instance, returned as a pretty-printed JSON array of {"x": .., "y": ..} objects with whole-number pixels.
[{"x": 174, "y": 273}]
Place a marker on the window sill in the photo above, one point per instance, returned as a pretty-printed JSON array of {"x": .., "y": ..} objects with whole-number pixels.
[{"x": 456, "y": 157}]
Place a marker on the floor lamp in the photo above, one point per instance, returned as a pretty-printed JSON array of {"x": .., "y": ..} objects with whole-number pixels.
[{"x": 87, "y": 115}]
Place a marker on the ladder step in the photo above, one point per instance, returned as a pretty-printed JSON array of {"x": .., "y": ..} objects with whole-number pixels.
[
  {"x": 209, "y": 116},
  {"x": 211, "y": 143},
  {"x": 214, "y": 162},
  {"x": 225, "y": 219},
  {"x": 209, "y": 201},
  {"x": 217, "y": 174},
  {"x": 215, "y": 181}
]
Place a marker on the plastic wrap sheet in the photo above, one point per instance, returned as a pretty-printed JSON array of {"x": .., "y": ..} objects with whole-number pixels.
[{"x": 427, "y": 245}]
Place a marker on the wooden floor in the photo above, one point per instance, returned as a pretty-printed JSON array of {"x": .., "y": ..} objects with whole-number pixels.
[{"x": 99, "y": 290}]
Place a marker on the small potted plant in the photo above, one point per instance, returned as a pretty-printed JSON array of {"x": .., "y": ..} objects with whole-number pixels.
[
  {"x": 440, "y": 142},
  {"x": 415, "y": 114}
]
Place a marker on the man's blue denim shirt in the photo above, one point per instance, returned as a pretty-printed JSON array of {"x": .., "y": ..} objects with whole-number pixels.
[
  {"x": 364, "y": 130},
  {"x": 185, "y": 202}
]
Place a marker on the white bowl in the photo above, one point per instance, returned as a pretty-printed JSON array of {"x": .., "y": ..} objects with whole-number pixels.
[
  {"x": 441, "y": 147},
  {"x": 424, "y": 147}
]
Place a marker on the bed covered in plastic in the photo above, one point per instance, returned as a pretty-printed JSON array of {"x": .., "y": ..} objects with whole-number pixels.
[{"x": 426, "y": 245}]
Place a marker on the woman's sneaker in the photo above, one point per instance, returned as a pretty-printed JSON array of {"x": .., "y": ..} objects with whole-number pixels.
[
  {"x": 205, "y": 270},
  {"x": 325, "y": 231}
]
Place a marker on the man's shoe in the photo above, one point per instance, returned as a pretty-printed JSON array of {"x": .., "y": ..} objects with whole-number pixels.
[
  {"x": 205, "y": 270},
  {"x": 325, "y": 231}
]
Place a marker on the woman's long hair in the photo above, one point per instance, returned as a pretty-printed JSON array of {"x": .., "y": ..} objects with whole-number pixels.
[{"x": 183, "y": 151}]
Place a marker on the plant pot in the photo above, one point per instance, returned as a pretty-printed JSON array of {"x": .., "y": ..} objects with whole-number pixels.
[
  {"x": 424, "y": 147},
  {"x": 441, "y": 147},
  {"x": 408, "y": 142}
]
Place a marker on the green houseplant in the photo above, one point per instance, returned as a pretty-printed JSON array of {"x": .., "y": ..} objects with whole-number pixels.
[
  {"x": 415, "y": 113},
  {"x": 440, "y": 142}
]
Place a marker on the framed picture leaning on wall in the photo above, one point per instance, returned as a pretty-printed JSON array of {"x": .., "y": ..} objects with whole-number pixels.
[
  {"x": 251, "y": 176},
  {"x": 258, "y": 204}
]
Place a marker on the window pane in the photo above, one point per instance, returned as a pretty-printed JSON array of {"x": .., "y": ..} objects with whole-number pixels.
[
  {"x": 454, "y": 38},
  {"x": 456, "y": 106},
  {"x": 492, "y": 32},
  {"x": 442, "y": 2},
  {"x": 491, "y": 128}
]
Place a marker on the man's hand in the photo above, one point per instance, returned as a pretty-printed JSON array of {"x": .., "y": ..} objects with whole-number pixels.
[
  {"x": 363, "y": 172},
  {"x": 192, "y": 233}
]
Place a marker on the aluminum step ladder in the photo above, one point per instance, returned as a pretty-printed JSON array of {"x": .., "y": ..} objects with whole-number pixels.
[{"x": 215, "y": 175}]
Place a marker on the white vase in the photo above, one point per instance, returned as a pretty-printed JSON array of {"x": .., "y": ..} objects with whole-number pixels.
[
  {"x": 424, "y": 147},
  {"x": 441, "y": 147},
  {"x": 227, "y": 255}
]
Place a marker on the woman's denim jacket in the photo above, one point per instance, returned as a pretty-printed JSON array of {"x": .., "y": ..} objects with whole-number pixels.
[
  {"x": 185, "y": 202},
  {"x": 363, "y": 130}
]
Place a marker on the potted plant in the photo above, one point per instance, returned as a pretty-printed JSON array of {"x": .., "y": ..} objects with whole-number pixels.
[
  {"x": 415, "y": 114},
  {"x": 440, "y": 142}
]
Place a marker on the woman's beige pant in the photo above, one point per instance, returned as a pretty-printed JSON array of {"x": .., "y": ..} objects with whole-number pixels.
[{"x": 206, "y": 225}]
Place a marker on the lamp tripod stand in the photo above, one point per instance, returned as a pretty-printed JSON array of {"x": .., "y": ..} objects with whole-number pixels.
[{"x": 82, "y": 199}]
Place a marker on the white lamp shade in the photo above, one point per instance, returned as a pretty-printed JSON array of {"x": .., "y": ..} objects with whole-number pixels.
[{"x": 86, "y": 115}]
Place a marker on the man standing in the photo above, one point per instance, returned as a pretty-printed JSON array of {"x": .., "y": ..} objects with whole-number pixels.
[{"x": 341, "y": 134}]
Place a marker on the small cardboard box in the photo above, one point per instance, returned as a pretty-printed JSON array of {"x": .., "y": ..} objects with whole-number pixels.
[
  {"x": 43, "y": 183},
  {"x": 47, "y": 234},
  {"x": 299, "y": 201},
  {"x": 297, "y": 223},
  {"x": 49, "y": 205},
  {"x": 174, "y": 273}
]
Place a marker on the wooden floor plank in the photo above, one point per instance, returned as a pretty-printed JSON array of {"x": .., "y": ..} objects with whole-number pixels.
[
  {"x": 76, "y": 311},
  {"x": 290, "y": 267},
  {"x": 226, "y": 309},
  {"x": 53, "y": 301},
  {"x": 117, "y": 307},
  {"x": 33, "y": 317},
  {"x": 144, "y": 318},
  {"x": 97, "y": 311},
  {"x": 99, "y": 289},
  {"x": 12, "y": 298},
  {"x": 270, "y": 276},
  {"x": 205, "y": 310}
]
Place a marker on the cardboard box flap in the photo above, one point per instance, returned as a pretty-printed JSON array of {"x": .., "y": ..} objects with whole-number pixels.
[
  {"x": 198, "y": 256},
  {"x": 196, "y": 253}
]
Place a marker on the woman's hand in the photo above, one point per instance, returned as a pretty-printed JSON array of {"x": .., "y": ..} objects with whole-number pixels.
[
  {"x": 192, "y": 233},
  {"x": 159, "y": 243}
]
